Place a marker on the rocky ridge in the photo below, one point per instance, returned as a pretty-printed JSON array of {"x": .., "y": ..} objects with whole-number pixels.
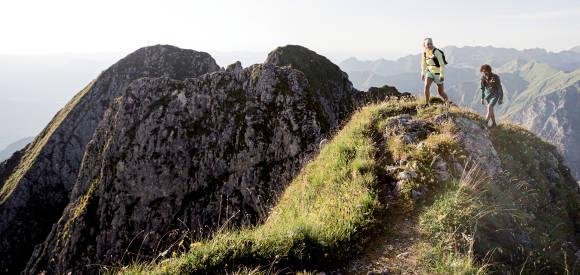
[
  {"x": 179, "y": 158},
  {"x": 37, "y": 181}
]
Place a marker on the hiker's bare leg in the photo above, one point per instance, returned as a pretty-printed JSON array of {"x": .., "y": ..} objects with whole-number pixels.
[
  {"x": 492, "y": 116},
  {"x": 428, "y": 82},
  {"x": 489, "y": 114},
  {"x": 441, "y": 91}
]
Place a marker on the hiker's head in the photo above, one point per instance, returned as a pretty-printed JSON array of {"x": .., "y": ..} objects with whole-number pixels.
[
  {"x": 485, "y": 69},
  {"x": 428, "y": 43}
]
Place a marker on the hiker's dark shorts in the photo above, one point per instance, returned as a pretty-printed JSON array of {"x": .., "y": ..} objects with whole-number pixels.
[{"x": 491, "y": 101}]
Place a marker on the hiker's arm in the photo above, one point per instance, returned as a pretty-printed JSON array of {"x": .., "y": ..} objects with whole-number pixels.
[
  {"x": 482, "y": 88},
  {"x": 441, "y": 64},
  {"x": 499, "y": 90}
]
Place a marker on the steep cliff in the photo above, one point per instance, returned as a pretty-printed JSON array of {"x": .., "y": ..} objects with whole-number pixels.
[
  {"x": 38, "y": 181},
  {"x": 548, "y": 106}
]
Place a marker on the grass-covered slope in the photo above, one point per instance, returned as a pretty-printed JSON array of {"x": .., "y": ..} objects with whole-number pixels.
[{"x": 423, "y": 207}]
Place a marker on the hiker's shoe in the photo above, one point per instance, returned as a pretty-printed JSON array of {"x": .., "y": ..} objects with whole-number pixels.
[{"x": 424, "y": 106}]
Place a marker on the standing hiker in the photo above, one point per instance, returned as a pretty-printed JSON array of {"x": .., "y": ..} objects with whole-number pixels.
[
  {"x": 433, "y": 69},
  {"x": 491, "y": 91}
]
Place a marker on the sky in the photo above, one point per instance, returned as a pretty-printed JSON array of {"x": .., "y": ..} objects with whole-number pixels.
[
  {"x": 49, "y": 50},
  {"x": 338, "y": 29}
]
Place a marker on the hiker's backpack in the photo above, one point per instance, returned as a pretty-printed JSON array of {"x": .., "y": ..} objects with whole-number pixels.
[{"x": 435, "y": 60}]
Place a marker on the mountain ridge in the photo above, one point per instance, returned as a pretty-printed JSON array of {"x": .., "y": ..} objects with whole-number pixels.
[
  {"x": 155, "y": 172},
  {"x": 38, "y": 182},
  {"x": 240, "y": 133}
]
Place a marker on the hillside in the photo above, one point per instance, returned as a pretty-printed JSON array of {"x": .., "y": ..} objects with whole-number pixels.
[
  {"x": 396, "y": 190},
  {"x": 549, "y": 108},
  {"x": 36, "y": 183}
]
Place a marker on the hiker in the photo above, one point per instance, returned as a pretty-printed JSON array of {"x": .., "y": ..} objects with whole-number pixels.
[
  {"x": 432, "y": 70},
  {"x": 491, "y": 91}
]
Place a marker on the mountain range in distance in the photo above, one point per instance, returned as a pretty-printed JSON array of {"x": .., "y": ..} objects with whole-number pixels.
[
  {"x": 541, "y": 88},
  {"x": 13, "y": 147}
]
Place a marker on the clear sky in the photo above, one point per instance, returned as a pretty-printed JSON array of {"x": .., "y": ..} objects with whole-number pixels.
[{"x": 339, "y": 29}]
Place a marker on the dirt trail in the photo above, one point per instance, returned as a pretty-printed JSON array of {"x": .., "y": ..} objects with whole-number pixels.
[{"x": 392, "y": 249}]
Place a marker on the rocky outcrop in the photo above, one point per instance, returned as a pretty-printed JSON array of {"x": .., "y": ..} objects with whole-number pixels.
[
  {"x": 329, "y": 85},
  {"x": 37, "y": 185},
  {"x": 378, "y": 94},
  {"x": 410, "y": 130},
  {"x": 173, "y": 158}
]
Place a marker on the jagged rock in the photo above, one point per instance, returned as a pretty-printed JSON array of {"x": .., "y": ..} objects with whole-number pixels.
[
  {"x": 410, "y": 130},
  {"x": 440, "y": 167},
  {"x": 334, "y": 92},
  {"x": 476, "y": 142},
  {"x": 378, "y": 94},
  {"x": 330, "y": 87},
  {"x": 406, "y": 175},
  {"x": 442, "y": 118},
  {"x": 37, "y": 189},
  {"x": 170, "y": 155}
]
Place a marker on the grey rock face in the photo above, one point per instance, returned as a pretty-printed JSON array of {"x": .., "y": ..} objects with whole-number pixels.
[
  {"x": 333, "y": 91},
  {"x": 440, "y": 167},
  {"x": 411, "y": 130},
  {"x": 477, "y": 143},
  {"x": 378, "y": 94},
  {"x": 177, "y": 155},
  {"x": 37, "y": 188}
]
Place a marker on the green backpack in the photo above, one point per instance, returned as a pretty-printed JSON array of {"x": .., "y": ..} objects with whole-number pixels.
[{"x": 435, "y": 60}]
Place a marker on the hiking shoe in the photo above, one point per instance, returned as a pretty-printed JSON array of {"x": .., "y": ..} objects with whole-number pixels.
[{"x": 424, "y": 106}]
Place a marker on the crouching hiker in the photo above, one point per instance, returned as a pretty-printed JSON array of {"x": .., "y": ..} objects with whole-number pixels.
[{"x": 491, "y": 92}]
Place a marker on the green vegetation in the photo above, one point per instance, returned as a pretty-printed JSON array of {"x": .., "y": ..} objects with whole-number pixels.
[
  {"x": 473, "y": 223},
  {"x": 33, "y": 150}
]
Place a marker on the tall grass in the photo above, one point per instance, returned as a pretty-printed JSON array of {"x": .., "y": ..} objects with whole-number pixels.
[{"x": 449, "y": 226}]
